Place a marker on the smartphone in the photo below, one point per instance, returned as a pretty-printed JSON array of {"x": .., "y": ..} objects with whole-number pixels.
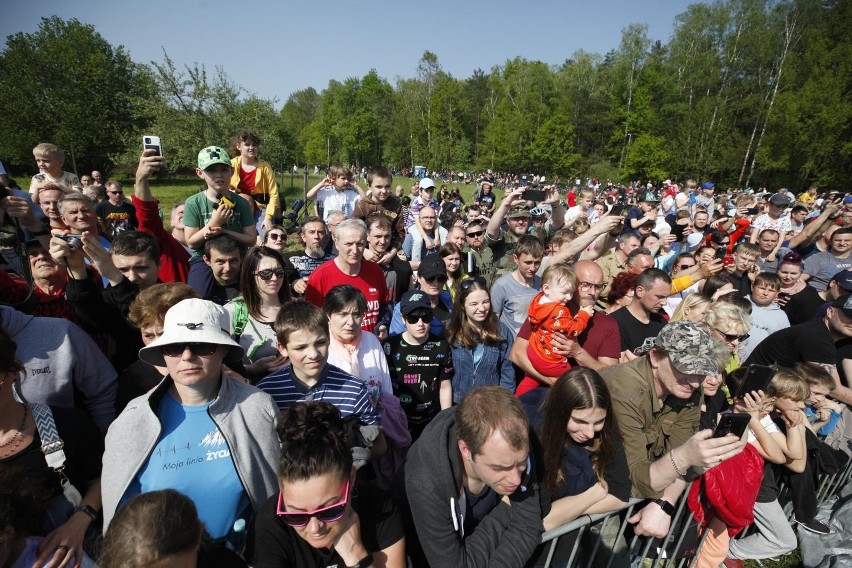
[
  {"x": 534, "y": 195},
  {"x": 732, "y": 423},
  {"x": 150, "y": 142},
  {"x": 757, "y": 378},
  {"x": 721, "y": 252},
  {"x": 728, "y": 261},
  {"x": 618, "y": 210},
  {"x": 752, "y": 210},
  {"x": 783, "y": 296}
]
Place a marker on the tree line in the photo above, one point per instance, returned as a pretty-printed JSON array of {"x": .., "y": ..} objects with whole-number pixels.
[{"x": 745, "y": 92}]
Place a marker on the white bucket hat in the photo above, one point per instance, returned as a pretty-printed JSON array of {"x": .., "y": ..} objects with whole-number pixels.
[{"x": 193, "y": 321}]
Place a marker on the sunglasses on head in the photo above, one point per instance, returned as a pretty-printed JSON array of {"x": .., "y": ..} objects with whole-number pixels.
[
  {"x": 414, "y": 317},
  {"x": 177, "y": 349},
  {"x": 325, "y": 515},
  {"x": 267, "y": 273},
  {"x": 276, "y": 236},
  {"x": 479, "y": 281}
]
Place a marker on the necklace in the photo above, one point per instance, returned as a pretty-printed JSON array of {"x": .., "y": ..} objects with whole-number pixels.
[{"x": 19, "y": 435}]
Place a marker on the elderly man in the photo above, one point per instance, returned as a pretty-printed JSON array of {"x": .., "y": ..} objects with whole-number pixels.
[
  {"x": 314, "y": 255},
  {"x": 49, "y": 280},
  {"x": 349, "y": 267},
  {"x": 598, "y": 346},
  {"x": 657, "y": 401},
  {"x": 78, "y": 214},
  {"x": 435, "y": 234}
]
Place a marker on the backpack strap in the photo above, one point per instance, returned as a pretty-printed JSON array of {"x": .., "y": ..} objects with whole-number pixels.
[
  {"x": 240, "y": 318},
  {"x": 51, "y": 444}
]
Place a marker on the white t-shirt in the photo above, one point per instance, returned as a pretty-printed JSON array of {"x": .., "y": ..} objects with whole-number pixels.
[
  {"x": 767, "y": 424},
  {"x": 782, "y": 224},
  {"x": 329, "y": 199}
]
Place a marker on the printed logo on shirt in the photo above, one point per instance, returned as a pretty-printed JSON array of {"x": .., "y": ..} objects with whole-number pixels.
[{"x": 214, "y": 443}]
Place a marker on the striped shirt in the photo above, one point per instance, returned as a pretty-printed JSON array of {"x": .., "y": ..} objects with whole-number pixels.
[{"x": 334, "y": 386}]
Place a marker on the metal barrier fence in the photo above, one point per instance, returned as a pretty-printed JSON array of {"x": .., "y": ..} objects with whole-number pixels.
[{"x": 646, "y": 552}]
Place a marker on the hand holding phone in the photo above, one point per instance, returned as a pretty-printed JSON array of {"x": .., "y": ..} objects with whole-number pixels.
[
  {"x": 150, "y": 142},
  {"x": 732, "y": 423}
]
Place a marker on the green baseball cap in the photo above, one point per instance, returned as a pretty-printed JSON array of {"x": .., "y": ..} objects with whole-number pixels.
[
  {"x": 213, "y": 155},
  {"x": 690, "y": 347}
]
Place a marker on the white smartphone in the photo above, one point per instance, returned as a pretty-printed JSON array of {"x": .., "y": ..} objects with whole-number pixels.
[{"x": 150, "y": 142}]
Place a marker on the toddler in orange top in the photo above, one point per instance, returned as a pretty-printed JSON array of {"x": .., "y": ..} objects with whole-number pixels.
[{"x": 549, "y": 313}]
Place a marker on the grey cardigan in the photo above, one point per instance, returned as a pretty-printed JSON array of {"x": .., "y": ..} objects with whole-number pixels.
[{"x": 244, "y": 414}]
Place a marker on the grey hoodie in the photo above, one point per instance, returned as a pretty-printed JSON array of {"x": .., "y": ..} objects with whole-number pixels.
[
  {"x": 63, "y": 364},
  {"x": 431, "y": 481},
  {"x": 244, "y": 415},
  {"x": 764, "y": 322}
]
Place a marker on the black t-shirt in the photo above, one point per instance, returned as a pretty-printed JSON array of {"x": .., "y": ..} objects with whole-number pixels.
[
  {"x": 137, "y": 379},
  {"x": 273, "y": 544},
  {"x": 844, "y": 351},
  {"x": 477, "y": 507},
  {"x": 416, "y": 372},
  {"x": 116, "y": 219},
  {"x": 616, "y": 475},
  {"x": 809, "y": 341},
  {"x": 634, "y": 332},
  {"x": 803, "y": 306},
  {"x": 486, "y": 201}
]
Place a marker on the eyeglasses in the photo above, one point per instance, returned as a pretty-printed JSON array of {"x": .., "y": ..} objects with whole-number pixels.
[
  {"x": 475, "y": 234},
  {"x": 479, "y": 281},
  {"x": 439, "y": 279},
  {"x": 586, "y": 286},
  {"x": 325, "y": 515},
  {"x": 275, "y": 236},
  {"x": 267, "y": 273},
  {"x": 415, "y": 317},
  {"x": 115, "y": 192},
  {"x": 199, "y": 349},
  {"x": 730, "y": 337}
]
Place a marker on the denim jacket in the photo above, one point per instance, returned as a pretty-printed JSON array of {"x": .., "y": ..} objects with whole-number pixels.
[{"x": 493, "y": 369}]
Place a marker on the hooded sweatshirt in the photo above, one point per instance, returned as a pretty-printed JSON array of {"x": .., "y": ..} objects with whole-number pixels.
[
  {"x": 63, "y": 365},
  {"x": 431, "y": 485}
]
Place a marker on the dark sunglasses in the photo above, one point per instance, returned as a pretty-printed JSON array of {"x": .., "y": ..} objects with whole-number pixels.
[
  {"x": 439, "y": 279},
  {"x": 267, "y": 273},
  {"x": 730, "y": 337},
  {"x": 199, "y": 349},
  {"x": 467, "y": 283},
  {"x": 415, "y": 317},
  {"x": 115, "y": 192},
  {"x": 276, "y": 236},
  {"x": 685, "y": 266},
  {"x": 325, "y": 515},
  {"x": 475, "y": 234}
]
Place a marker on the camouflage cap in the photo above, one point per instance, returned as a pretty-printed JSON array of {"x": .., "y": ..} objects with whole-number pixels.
[
  {"x": 690, "y": 348},
  {"x": 519, "y": 211}
]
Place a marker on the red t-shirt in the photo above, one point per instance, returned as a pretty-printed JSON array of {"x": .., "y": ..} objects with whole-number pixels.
[
  {"x": 247, "y": 180},
  {"x": 600, "y": 339},
  {"x": 370, "y": 280}
]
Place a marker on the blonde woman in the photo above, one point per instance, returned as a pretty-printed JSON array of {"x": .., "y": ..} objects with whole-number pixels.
[
  {"x": 692, "y": 308},
  {"x": 730, "y": 324}
]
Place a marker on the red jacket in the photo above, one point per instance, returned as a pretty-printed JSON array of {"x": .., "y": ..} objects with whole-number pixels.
[
  {"x": 174, "y": 259},
  {"x": 728, "y": 491}
]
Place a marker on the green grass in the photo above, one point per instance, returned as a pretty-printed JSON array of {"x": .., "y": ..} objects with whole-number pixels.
[{"x": 171, "y": 190}]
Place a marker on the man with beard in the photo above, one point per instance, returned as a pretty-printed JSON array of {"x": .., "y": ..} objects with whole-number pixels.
[
  {"x": 314, "y": 235},
  {"x": 398, "y": 273}
]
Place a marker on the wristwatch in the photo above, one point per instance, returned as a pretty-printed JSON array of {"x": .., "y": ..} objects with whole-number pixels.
[
  {"x": 667, "y": 507},
  {"x": 87, "y": 510}
]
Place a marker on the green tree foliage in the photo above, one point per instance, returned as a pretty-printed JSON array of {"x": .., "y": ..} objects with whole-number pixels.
[
  {"x": 745, "y": 92},
  {"x": 65, "y": 84}
]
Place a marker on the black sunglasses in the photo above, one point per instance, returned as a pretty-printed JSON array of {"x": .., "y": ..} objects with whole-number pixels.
[
  {"x": 731, "y": 337},
  {"x": 475, "y": 234},
  {"x": 439, "y": 279},
  {"x": 267, "y": 273},
  {"x": 199, "y": 349},
  {"x": 685, "y": 266},
  {"x": 467, "y": 283},
  {"x": 415, "y": 317}
]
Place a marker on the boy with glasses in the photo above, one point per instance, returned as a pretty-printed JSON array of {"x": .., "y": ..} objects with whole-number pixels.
[{"x": 420, "y": 364}]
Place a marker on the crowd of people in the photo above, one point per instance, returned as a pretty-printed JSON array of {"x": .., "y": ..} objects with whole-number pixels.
[{"x": 419, "y": 380}]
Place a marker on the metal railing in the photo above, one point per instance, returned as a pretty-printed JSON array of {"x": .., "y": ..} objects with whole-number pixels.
[{"x": 646, "y": 552}]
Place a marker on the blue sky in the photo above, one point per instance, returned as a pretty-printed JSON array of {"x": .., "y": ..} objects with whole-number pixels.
[{"x": 273, "y": 48}]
